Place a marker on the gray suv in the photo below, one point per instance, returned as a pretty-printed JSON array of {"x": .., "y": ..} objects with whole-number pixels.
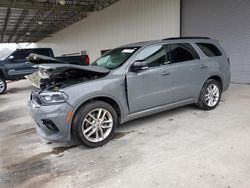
[{"x": 86, "y": 103}]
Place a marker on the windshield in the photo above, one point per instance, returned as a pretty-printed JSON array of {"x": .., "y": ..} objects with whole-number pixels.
[{"x": 115, "y": 58}]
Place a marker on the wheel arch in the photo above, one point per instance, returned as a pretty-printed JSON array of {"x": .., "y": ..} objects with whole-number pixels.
[
  {"x": 109, "y": 100},
  {"x": 218, "y": 79},
  {"x": 2, "y": 74},
  {"x": 200, "y": 100},
  {"x": 214, "y": 77}
]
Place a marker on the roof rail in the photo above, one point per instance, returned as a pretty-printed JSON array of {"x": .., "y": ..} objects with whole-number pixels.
[{"x": 179, "y": 38}]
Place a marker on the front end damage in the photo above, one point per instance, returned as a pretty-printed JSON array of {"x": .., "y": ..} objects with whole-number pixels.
[
  {"x": 48, "y": 104},
  {"x": 58, "y": 76}
]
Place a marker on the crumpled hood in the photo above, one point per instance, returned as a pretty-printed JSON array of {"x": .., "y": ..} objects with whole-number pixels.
[
  {"x": 48, "y": 73},
  {"x": 57, "y": 68},
  {"x": 41, "y": 59}
]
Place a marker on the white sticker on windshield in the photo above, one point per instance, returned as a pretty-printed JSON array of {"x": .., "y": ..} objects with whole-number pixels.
[{"x": 128, "y": 51}]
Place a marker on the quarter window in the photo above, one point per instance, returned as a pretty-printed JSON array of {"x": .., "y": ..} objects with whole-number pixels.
[
  {"x": 181, "y": 52},
  {"x": 209, "y": 50},
  {"x": 154, "y": 55}
]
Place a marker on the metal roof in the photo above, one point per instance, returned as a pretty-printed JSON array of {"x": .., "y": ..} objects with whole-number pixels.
[{"x": 34, "y": 20}]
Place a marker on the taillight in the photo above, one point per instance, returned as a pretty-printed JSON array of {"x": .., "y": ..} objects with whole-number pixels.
[{"x": 87, "y": 60}]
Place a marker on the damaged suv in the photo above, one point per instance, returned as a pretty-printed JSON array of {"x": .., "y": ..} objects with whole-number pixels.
[{"x": 87, "y": 103}]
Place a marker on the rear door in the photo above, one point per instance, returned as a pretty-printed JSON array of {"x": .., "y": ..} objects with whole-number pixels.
[
  {"x": 152, "y": 87},
  {"x": 188, "y": 72}
]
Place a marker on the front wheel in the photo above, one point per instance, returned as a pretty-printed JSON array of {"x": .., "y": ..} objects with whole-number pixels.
[
  {"x": 3, "y": 85},
  {"x": 94, "y": 124},
  {"x": 210, "y": 95}
]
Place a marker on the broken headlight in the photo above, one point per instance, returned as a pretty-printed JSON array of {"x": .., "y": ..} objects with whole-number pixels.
[{"x": 49, "y": 98}]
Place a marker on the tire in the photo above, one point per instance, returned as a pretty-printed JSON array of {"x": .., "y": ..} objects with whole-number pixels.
[
  {"x": 210, "y": 95},
  {"x": 89, "y": 120},
  {"x": 3, "y": 85}
]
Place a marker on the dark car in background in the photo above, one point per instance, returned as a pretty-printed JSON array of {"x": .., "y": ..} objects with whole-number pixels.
[{"x": 15, "y": 66}]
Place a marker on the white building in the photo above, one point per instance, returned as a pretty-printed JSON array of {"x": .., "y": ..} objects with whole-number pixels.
[
  {"x": 124, "y": 22},
  {"x": 130, "y": 21}
]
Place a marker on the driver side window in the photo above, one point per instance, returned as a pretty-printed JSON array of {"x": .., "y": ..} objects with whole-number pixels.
[
  {"x": 154, "y": 55},
  {"x": 20, "y": 55}
]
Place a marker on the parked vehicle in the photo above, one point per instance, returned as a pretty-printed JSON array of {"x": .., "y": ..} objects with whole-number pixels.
[
  {"x": 129, "y": 82},
  {"x": 15, "y": 66},
  {"x": 75, "y": 59}
]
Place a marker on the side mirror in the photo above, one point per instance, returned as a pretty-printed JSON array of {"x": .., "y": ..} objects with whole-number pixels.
[
  {"x": 11, "y": 58},
  {"x": 139, "y": 65}
]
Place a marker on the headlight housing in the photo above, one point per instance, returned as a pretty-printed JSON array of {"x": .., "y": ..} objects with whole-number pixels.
[{"x": 50, "y": 98}]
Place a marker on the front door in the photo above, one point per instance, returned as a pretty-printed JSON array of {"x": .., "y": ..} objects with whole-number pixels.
[
  {"x": 16, "y": 64},
  {"x": 152, "y": 87}
]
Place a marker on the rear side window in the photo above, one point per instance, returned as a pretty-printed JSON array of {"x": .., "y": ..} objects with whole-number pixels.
[
  {"x": 209, "y": 50},
  {"x": 44, "y": 52},
  {"x": 181, "y": 52}
]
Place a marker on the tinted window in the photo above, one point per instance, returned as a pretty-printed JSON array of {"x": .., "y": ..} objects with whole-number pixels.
[
  {"x": 209, "y": 50},
  {"x": 182, "y": 52},
  {"x": 41, "y": 52},
  {"x": 154, "y": 55},
  {"x": 20, "y": 54},
  {"x": 104, "y": 52}
]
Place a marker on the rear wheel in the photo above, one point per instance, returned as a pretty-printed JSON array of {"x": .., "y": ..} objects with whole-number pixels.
[
  {"x": 3, "y": 85},
  {"x": 210, "y": 95},
  {"x": 94, "y": 124}
]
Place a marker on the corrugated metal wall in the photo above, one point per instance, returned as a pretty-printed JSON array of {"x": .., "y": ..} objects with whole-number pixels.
[
  {"x": 229, "y": 22},
  {"x": 124, "y": 22}
]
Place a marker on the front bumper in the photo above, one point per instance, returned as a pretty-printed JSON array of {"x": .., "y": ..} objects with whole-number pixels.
[{"x": 51, "y": 121}]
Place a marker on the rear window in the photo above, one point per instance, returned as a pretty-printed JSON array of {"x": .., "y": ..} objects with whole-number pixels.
[
  {"x": 209, "y": 50},
  {"x": 44, "y": 52}
]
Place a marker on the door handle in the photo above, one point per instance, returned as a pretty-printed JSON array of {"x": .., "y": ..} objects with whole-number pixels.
[
  {"x": 203, "y": 66},
  {"x": 165, "y": 73}
]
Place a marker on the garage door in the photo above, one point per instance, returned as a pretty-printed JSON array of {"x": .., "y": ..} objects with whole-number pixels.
[{"x": 226, "y": 20}]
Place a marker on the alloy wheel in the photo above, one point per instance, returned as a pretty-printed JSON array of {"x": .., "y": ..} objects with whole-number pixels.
[
  {"x": 1, "y": 86},
  {"x": 212, "y": 95},
  {"x": 97, "y": 125}
]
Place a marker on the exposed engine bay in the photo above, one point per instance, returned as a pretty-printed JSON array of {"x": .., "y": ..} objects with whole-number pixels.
[{"x": 58, "y": 76}]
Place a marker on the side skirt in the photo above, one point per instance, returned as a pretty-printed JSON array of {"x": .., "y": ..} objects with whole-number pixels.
[{"x": 158, "y": 109}]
